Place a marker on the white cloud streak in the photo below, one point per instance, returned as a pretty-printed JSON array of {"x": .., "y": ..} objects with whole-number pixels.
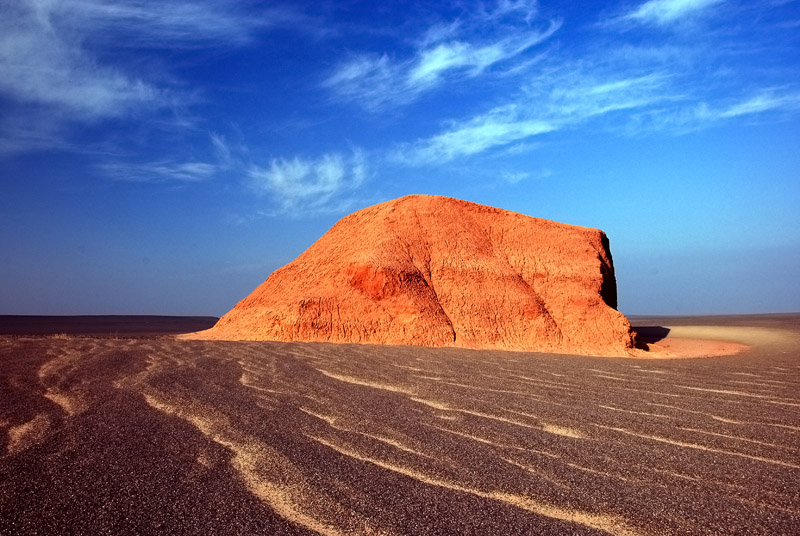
[
  {"x": 43, "y": 66},
  {"x": 444, "y": 53},
  {"x": 56, "y": 67},
  {"x": 302, "y": 184},
  {"x": 174, "y": 170},
  {"x": 181, "y": 23},
  {"x": 498, "y": 127},
  {"x": 550, "y": 103},
  {"x": 761, "y": 103},
  {"x": 669, "y": 11},
  {"x": 49, "y": 50},
  {"x": 158, "y": 172},
  {"x": 516, "y": 177},
  {"x": 221, "y": 148},
  {"x": 691, "y": 117}
]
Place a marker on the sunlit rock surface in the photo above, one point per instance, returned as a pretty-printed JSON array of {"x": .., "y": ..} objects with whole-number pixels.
[{"x": 436, "y": 271}]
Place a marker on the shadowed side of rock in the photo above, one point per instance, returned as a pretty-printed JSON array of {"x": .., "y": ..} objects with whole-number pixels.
[{"x": 436, "y": 271}]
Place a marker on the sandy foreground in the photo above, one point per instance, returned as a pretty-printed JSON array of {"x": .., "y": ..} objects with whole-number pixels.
[{"x": 141, "y": 433}]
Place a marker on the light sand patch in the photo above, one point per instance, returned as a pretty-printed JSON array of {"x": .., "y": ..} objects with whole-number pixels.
[
  {"x": 59, "y": 368},
  {"x": 72, "y": 405},
  {"x": 415, "y": 369},
  {"x": 787, "y": 426},
  {"x": 741, "y": 489},
  {"x": 254, "y": 461},
  {"x": 736, "y": 438},
  {"x": 27, "y": 434},
  {"x": 619, "y": 376},
  {"x": 490, "y": 390},
  {"x": 783, "y": 403},
  {"x": 366, "y": 383},
  {"x": 496, "y": 418},
  {"x": 545, "y": 383},
  {"x": 737, "y": 334},
  {"x": 599, "y": 473},
  {"x": 682, "y": 476},
  {"x": 650, "y": 392},
  {"x": 771, "y": 383},
  {"x": 522, "y": 413},
  {"x": 383, "y": 439},
  {"x": 431, "y": 403},
  {"x": 562, "y": 431},
  {"x": 490, "y": 442},
  {"x": 549, "y": 428},
  {"x": 51, "y": 367},
  {"x": 722, "y": 391},
  {"x": 608, "y": 523},
  {"x": 607, "y": 377},
  {"x": 688, "y": 348},
  {"x": 724, "y": 419},
  {"x": 536, "y": 472},
  {"x": 327, "y": 418},
  {"x": 699, "y": 447},
  {"x": 710, "y": 341},
  {"x": 204, "y": 460},
  {"x": 394, "y": 443},
  {"x": 250, "y": 382},
  {"x": 763, "y": 386},
  {"x": 612, "y": 408}
]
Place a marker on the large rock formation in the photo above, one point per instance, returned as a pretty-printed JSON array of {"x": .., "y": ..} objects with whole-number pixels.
[{"x": 436, "y": 271}]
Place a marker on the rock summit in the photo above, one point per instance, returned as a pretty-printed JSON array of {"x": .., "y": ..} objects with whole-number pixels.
[{"x": 436, "y": 271}]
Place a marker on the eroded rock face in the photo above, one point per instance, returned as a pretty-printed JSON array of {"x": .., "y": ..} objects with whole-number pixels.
[{"x": 436, "y": 271}]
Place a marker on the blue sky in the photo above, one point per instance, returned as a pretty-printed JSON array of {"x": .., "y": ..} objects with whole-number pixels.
[{"x": 165, "y": 157}]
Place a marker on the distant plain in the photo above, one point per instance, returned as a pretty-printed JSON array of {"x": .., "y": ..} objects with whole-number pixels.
[{"x": 112, "y": 426}]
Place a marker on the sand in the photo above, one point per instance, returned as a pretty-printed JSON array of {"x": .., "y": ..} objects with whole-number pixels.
[{"x": 155, "y": 435}]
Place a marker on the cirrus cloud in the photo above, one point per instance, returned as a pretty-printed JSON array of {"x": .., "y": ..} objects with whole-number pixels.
[
  {"x": 669, "y": 11},
  {"x": 445, "y": 52},
  {"x": 309, "y": 183}
]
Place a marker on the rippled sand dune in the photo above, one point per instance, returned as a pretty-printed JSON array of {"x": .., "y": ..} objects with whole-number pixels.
[{"x": 143, "y": 436}]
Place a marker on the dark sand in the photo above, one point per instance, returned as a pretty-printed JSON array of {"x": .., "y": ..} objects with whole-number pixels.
[{"x": 162, "y": 436}]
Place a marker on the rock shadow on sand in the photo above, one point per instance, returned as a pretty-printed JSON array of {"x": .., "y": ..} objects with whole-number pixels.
[{"x": 647, "y": 335}]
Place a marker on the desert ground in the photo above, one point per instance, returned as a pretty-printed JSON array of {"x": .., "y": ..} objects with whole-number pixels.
[{"x": 117, "y": 427}]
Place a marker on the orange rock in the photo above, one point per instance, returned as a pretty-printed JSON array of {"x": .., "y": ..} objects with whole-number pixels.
[{"x": 436, "y": 271}]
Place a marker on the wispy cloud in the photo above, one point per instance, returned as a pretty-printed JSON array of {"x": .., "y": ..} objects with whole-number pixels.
[
  {"x": 182, "y": 23},
  {"x": 220, "y": 158},
  {"x": 687, "y": 117},
  {"x": 768, "y": 101},
  {"x": 516, "y": 177},
  {"x": 159, "y": 172},
  {"x": 302, "y": 184},
  {"x": 527, "y": 9},
  {"x": 20, "y": 133},
  {"x": 498, "y": 127},
  {"x": 444, "y": 52},
  {"x": 50, "y": 51},
  {"x": 41, "y": 66},
  {"x": 58, "y": 65},
  {"x": 669, "y": 11},
  {"x": 578, "y": 95},
  {"x": 549, "y": 103},
  {"x": 221, "y": 148}
]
